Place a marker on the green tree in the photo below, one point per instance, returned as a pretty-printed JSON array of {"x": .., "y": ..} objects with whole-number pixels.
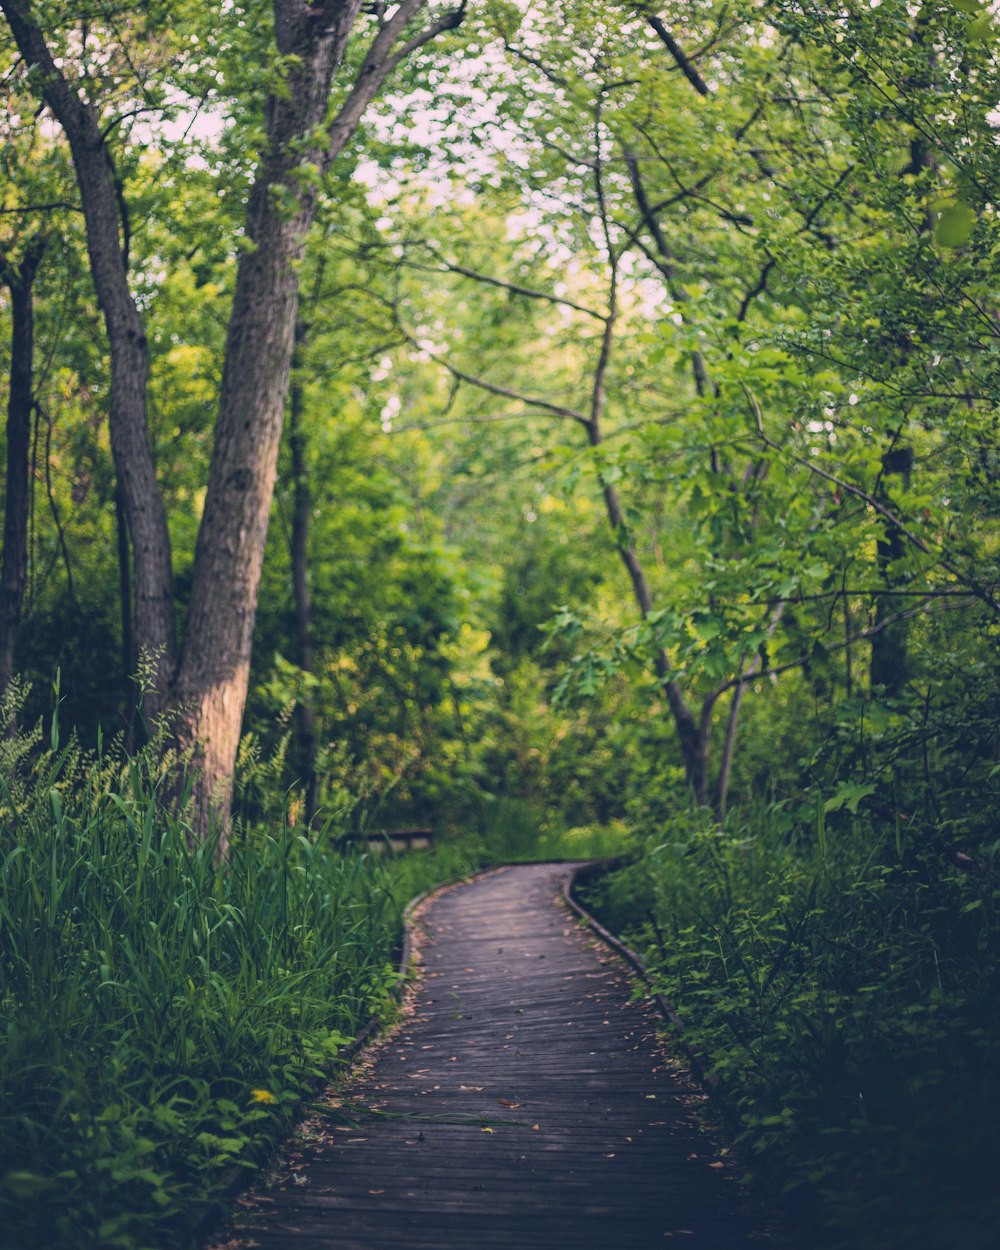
[{"x": 207, "y": 681}]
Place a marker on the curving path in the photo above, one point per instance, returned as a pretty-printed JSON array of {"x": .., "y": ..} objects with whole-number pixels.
[{"x": 523, "y": 1104}]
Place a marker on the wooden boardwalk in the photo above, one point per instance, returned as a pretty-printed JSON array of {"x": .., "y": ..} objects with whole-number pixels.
[{"x": 523, "y": 1104}]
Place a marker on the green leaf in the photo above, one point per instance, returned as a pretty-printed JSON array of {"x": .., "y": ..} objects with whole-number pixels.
[
  {"x": 955, "y": 225},
  {"x": 848, "y": 795}
]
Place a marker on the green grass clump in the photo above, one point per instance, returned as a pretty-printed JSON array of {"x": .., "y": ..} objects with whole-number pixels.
[
  {"x": 844, "y": 987},
  {"x": 161, "y": 1012}
]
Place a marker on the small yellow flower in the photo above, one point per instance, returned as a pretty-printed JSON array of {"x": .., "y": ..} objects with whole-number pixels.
[{"x": 262, "y": 1095}]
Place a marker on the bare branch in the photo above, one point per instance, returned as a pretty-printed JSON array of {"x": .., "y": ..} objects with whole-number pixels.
[
  {"x": 494, "y": 388},
  {"x": 42, "y": 208},
  {"x": 484, "y": 419},
  {"x": 379, "y": 62}
]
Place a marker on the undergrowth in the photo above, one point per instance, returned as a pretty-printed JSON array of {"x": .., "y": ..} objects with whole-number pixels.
[
  {"x": 508, "y": 830},
  {"x": 161, "y": 1012},
  {"x": 843, "y": 982}
]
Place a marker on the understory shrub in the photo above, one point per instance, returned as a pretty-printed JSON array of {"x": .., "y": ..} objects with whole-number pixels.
[{"x": 843, "y": 983}]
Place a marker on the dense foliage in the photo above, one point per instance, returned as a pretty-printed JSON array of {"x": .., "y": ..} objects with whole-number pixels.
[{"x": 639, "y": 492}]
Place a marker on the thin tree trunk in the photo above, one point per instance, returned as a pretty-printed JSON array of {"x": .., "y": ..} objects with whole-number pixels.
[
  {"x": 14, "y": 567},
  {"x": 128, "y": 654},
  {"x": 301, "y": 519},
  {"x": 106, "y": 228},
  {"x": 728, "y": 751},
  {"x": 889, "y": 668},
  {"x": 721, "y": 794},
  {"x": 693, "y": 735}
]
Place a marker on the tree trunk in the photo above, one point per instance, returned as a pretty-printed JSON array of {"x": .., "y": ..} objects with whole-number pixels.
[
  {"x": 728, "y": 751},
  {"x": 889, "y": 661},
  {"x": 214, "y": 671},
  {"x": 129, "y": 657},
  {"x": 104, "y": 214},
  {"x": 694, "y": 735},
  {"x": 301, "y": 517},
  {"x": 209, "y": 690},
  {"x": 14, "y": 568}
]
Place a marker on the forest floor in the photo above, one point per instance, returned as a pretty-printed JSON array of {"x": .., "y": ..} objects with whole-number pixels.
[{"x": 524, "y": 1100}]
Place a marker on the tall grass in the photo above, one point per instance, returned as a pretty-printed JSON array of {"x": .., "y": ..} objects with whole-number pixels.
[
  {"x": 843, "y": 982},
  {"x": 160, "y": 1011}
]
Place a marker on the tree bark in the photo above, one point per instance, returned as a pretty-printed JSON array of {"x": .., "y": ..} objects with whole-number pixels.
[
  {"x": 104, "y": 217},
  {"x": 128, "y": 654},
  {"x": 20, "y": 279}
]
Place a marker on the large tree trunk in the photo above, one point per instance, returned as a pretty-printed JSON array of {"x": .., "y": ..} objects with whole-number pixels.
[
  {"x": 20, "y": 281},
  {"x": 215, "y": 663},
  {"x": 103, "y": 209},
  {"x": 214, "y": 671}
]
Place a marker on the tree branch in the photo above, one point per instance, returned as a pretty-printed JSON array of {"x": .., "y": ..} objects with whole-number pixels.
[
  {"x": 981, "y": 592},
  {"x": 378, "y": 64},
  {"x": 514, "y": 287},
  {"x": 494, "y": 388},
  {"x": 675, "y": 50}
]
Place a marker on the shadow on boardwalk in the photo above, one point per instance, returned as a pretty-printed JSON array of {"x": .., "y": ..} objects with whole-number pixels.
[{"x": 523, "y": 1103}]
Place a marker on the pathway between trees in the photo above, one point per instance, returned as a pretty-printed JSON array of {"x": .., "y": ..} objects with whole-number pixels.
[{"x": 523, "y": 1103}]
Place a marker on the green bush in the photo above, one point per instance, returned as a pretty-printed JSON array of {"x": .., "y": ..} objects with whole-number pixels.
[{"x": 843, "y": 984}]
